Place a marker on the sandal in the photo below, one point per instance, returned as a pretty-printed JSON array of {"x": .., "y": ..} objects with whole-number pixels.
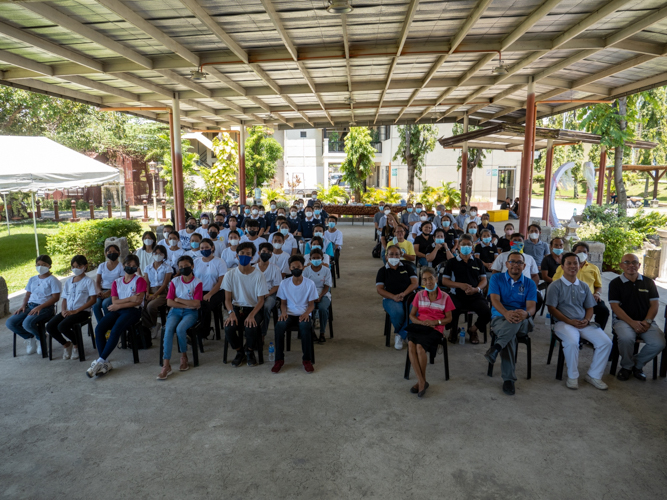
[{"x": 474, "y": 339}]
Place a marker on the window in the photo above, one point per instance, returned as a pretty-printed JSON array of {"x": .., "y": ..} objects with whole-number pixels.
[
  {"x": 303, "y": 134},
  {"x": 385, "y": 133}
]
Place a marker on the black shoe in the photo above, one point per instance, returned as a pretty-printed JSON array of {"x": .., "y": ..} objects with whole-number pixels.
[
  {"x": 491, "y": 354},
  {"x": 508, "y": 387},
  {"x": 238, "y": 359},
  {"x": 251, "y": 358},
  {"x": 322, "y": 339},
  {"x": 624, "y": 374},
  {"x": 639, "y": 374}
]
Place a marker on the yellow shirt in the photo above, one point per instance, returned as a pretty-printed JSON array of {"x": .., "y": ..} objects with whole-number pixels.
[
  {"x": 588, "y": 273},
  {"x": 405, "y": 245}
]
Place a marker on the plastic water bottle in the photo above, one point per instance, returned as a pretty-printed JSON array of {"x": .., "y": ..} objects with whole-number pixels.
[
  {"x": 272, "y": 353},
  {"x": 302, "y": 246},
  {"x": 547, "y": 319},
  {"x": 574, "y": 214},
  {"x": 462, "y": 336}
]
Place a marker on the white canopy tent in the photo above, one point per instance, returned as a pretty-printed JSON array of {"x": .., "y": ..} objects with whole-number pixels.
[{"x": 30, "y": 164}]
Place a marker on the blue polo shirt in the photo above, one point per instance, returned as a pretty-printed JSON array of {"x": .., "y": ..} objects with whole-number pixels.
[
  {"x": 306, "y": 227},
  {"x": 513, "y": 294}
]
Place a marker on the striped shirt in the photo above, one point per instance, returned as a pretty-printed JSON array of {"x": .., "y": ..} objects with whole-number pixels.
[{"x": 427, "y": 310}]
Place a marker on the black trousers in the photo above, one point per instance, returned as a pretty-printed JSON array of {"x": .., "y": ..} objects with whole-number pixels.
[
  {"x": 306, "y": 331},
  {"x": 234, "y": 333},
  {"x": 207, "y": 308},
  {"x": 476, "y": 303},
  {"x": 601, "y": 314},
  {"x": 59, "y": 326}
]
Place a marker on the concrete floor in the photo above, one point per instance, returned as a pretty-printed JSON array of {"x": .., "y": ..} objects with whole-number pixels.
[{"x": 350, "y": 430}]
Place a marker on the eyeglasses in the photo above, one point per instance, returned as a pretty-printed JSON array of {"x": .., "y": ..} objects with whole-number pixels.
[
  {"x": 630, "y": 262},
  {"x": 514, "y": 262}
]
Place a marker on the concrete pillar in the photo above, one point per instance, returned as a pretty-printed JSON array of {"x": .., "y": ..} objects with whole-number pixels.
[
  {"x": 177, "y": 167},
  {"x": 464, "y": 163},
  {"x": 242, "y": 187},
  {"x": 547, "y": 181},
  {"x": 4, "y": 298},
  {"x": 527, "y": 161},
  {"x": 662, "y": 278}
]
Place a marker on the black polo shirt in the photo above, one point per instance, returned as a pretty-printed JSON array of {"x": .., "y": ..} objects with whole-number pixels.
[
  {"x": 470, "y": 272},
  {"x": 451, "y": 237},
  {"x": 425, "y": 243},
  {"x": 395, "y": 280},
  {"x": 487, "y": 254},
  {"x": 504, "y": 244},
  {"x": 634, "y": 297},
  {"x": 387, "y": 232},
  {"x": 549, "y": 265}
]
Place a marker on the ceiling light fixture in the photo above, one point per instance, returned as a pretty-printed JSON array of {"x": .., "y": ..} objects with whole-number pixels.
[
  {"x": 350, "y": 100},
  {"x": 198, "y": 75},
  {"x": 353, "y": 124},
  {"x": 339, "y": 7},
  {"x": 502, "y": 68}
]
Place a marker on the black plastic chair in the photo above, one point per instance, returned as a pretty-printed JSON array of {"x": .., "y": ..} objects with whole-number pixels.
[
  {"x": 561, "y": 356},
  {"x": 337, "y": 260},
  {"x": 41, "y": 327},
  {"x": 133, "y": 330},
  {"x": 614, "y": 355},
  {"x": 469, "y": 318},
  {"x": 525, "y": 339},
  {"x": 332, "y": 263},
  {"x": 445, "y": 355},
  {"x": 259, "y": 345},
  {"x": 78, "y": 331},
  {"x": 194, "y": 340}
]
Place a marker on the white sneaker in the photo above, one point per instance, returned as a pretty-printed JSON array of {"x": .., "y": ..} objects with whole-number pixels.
[
  {"x": 94, "y": 368},
  {"x": 398, "y": 344},
  {"x": 30, "y": 347},
  {"x": 39, "y": 346},
  {"x": 67, "y": 352},
  {"x": 75, "y": 352},
  {"x": 156, "y": 331},
  {"x": 596, "y": 382},
  {"x": 572, "y": 383},
  {"x": 104, "y": 368}
]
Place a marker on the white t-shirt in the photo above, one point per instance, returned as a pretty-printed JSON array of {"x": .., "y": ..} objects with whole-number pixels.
[
  {"x": 297, "y": 297},
  {"x": 155, "y": 277},
  {"x": 245, "y": 288},
  {"x": 203, "y": 232},
  {"x": 195, "y": 254},
  {"x": 209, "y": 272},
  {"x": 145, "y": 259},
  {"x": 229, "y": 256},
  {"x": 325, "y": 259},
  {"x": 320, "y": 278},
  {"x": 531, "y": 265},
  {"x": 257, "y": 242},
  {"x": 272, "y": 275},
  {"x": 42, "y": 289},
  {"x": 219, "y": 245},
  {"x": 77, "y": 294},
  {"x": 336, "y": 238},
  {"x": 281, "y": 261},
  {"x": 108, "y": 276},
  {"x": 173, "y": 256}
]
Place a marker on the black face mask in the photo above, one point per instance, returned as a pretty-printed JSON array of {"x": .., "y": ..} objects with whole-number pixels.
[
  {"x": 297, "y": 272},
  {"x": 130, "y": 269},
  {"x": 113, "y": 256},
  {"x": 463, "y": 211},
  {"x": 252, "y": 232},
  {"x": 192, "y": 227},
  {"x": 265, "y": 256},
  {"x": 186, "y": 271},
  {"x": 213, "y": 235}
]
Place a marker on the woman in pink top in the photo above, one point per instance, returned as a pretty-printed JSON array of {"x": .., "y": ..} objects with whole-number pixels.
[{"x": 431, "y": 311}]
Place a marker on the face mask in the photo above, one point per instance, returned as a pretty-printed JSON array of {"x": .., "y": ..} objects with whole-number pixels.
[
  {"x": 437, "y": 212},
  {"x": 293, "y": 213},
  {"x": 206, "y": 253},
  {"x": 313, "y": 247},
  {"x": 393, "y": 261},
  {"x": 235, "y": 212},
  {"x": 284, "y": 231},
  {"x": 462, "y": 211},
  {"x": 439, "y": 241},
  {"x": 194, "y": 244},
  {"x": 431, "y": 289},
  {"x": 472, "y": 230},
  {"x": 173, "y": 243},
  {"x": 318, "y": 233},
  {"x": 244, "y": 260},
  {"x": 265, "y": 256},
  {"x": 509, "y": 232},
  {"x": 466, "y": 250},
  {"x": 314, "y": 197},
  {"x": 332, "y": 225},
  {"x": 317, "y": 211},
  {"x": 204, "y": 222},
  {"x": 247, "y": 211},
  {"x": 273, "y": 206},
  {"x": 214, "y": 236},
  {"x": 381, "y": 208},
  {"x": 309, "y": 214},
  {"x": 583, "y": 256},
  {"x": 473, "y": 213},
  {"x": 409, "y": 210},
  {"x": 418, "y": 210},
  {"x": 485, "y": 222},
  {"x": 192, "y": 227},
  {"x": 262, "y": 213},
  {"x": 486, "y": 240},
  {"x": 233, "y": 242},
  {"x": 394, "y": 240},
  {"x": 42, "y": 269},
  {"x": 166, "y": 236},
  {"x": 283, "y": 214},
  {"x": 77, "y": 271},
  {"x": 252, "y": 232},
  {"x": 130, "y": 269},
  {"x": 534, "y": 236},
  {"x": 316, "y": 262},
  {"x": 387, "y": 212},
  {"x": 240, "y": 231},
  {"x": 158, "y": 257},
  {"x": 300, "y": 205},
  {"x": 113, "y": 256},
  {"x": 558, "y": 251},
  {"x": 423, "y": 218},
  {"x": 186, "y": 271},
  {"x": 148, "y": 242},
  {"x": 277, "y": 246},
  {"x": 255, "y": 211},
  {"x": 445, "y": 223},
  {"x": 297, "y": 272},
  {"x": 516, "y": 245}
]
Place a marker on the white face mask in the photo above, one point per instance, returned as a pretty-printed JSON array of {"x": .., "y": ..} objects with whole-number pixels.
[
  {"x": 173, "y": 243},
  {"x": 393, "y": 261},
  {"x": 148, "y": 242},
  {"x": 166, "y": 236},
  {"x": 318, "y": 233},
  {"x": 204, "y": 222},
  {"x": 387, "y": 212},
  {"x": 583, "y": 257},
  {"x": 277, "y": 246},
  {"x": 255, "y": 211},
  {"x": 273, "y": 207},
  {"x": 158, "y": 257},
  {"x": 473, "y": 213},
  {"x": 42, "y": 270},
  {"x": 534, "y": 236},
  {"x": 300, "y": 205},
  {"x": 233, "y": 242},
  {"x": 261, "y": 213},
  {"x": 78, "y": 271},
  {"x": 293, "y": 213},
  {"x": 309, "y": 214},
  {"x": 235, "y": 212},
  {"x": 423, "y": 218}
]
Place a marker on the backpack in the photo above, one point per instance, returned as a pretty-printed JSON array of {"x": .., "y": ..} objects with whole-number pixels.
[{"x": 377, "y": 251}]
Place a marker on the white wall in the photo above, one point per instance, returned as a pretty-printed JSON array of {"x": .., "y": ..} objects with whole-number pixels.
[{"x": 303, "y": 158}]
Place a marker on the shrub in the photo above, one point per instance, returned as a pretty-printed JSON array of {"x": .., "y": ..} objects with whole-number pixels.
[
  {"x": 335, "y": 195},
  {"x": 87, "y": 237}
]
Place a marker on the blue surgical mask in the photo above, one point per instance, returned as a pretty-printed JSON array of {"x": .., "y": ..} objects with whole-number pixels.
[
  {"x": 313, "y": 247},
  {"x": 206, "y": 253},
  {"x": 332, "y": 225},
  {"x": 472, "y": 230},
  {"x": 558, "y": 251},
  {"x": 431, "y": 289},
  {"x": 317, "y": 212},
  {"x": 439, "y": 241},
  {"x": 437, "y": 212},
  {"x": 194, "y": 244},
  {"x": 244, "y": 260},
  {"x": 486, "y": 240},
  {"x": 284, "y": 231},
  {"x": 409, "y": 210},
  {"x": 466, "y": 250},
  {"x": 418, "y": 210},
  {"x": 316, "y": 262},
  {"x": 247, "y": 210},
  {"x": 446, "y": 223}
]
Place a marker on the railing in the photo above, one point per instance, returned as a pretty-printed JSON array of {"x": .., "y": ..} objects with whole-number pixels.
[{"x": 339, "y": 146}]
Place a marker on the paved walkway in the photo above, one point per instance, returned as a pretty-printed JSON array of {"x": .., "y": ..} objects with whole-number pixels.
[{"x": 350, "y": 430}]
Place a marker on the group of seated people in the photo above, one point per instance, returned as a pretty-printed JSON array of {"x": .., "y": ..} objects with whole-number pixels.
[
  {"x": 193, "y": 272},
  {"x": 499, "y": 283}
]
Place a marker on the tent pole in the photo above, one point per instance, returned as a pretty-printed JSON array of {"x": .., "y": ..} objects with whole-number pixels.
[
  {"x": 7, "y": 215},
  {"x": 34, "y": 222}
]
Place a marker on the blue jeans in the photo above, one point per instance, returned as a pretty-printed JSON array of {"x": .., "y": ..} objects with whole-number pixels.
[
  {"x": 322, "y": 308},
  {"x": 513, "y": 215},
  {"x": 25, "y": 325},
  {"x": 422, "y": 261},
  {"x": 178, "y": 321},
  {"x": 118, "y": 322},
  {"x": 100, "y": 308},
  {"x": 399, "y": 319},
  {"x": 383, "y": 255}
]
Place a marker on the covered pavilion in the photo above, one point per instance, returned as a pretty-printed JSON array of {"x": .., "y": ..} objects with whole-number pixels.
[{"x": 203, "y": 64}]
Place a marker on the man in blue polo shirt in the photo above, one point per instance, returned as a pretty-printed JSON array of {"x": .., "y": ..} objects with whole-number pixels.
[{"x": 513, "y": 300}]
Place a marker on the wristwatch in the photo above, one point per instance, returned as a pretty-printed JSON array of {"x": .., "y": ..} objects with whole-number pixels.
[
  {"x": 230, "y": 311},
  {"x": 439, "y": 322}
]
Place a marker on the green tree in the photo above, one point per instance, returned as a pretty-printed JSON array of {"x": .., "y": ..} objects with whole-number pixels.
[
  {"x": 359, "y": 160},
  {"x": 222, "y": 176},
  {"x": 416, "y": 141},
  {"x": 476, "y": 157},
  {"x": 190, "y": 170},
  {"x": 262, "y": 152}
]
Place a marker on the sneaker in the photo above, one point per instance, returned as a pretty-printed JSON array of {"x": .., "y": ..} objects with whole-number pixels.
[
  {"x": 94, "y": 368},
  {"x": 316, "y": 322},
  {"x": 572, "y": 383},
  {"x": 398, "y": 344},
  {"x": 308, "y": 366},
  {"x": 104, "y": 368},
  {"x": 75, "y": 352},
  {"x": 67, "y": 352},
  {"x": 39, "y": 346},
  {"x": 322, "y": 339},
  {"x": 252, "y": 361},
  {"x": 240, "y": 357},
  {"x": 277, "y": 366},
  {"x": 508, "y": 387},
  {"x": 31, "y": 346},
  {"x": 596, "y": 382}
]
